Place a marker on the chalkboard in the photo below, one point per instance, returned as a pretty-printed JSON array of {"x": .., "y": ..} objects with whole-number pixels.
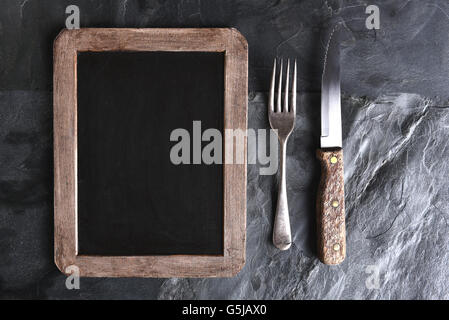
[
  {"x": 122, "y": 207},
  {"x": 132, "y": 199}
]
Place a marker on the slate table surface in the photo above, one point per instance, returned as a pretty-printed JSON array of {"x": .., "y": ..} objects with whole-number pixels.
[{"x": 395, "y": 135}]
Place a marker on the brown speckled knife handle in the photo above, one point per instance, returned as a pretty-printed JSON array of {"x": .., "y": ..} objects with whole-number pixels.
[{"x": 331, "y": 207}]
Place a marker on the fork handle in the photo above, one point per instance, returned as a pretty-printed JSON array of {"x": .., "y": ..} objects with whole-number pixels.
[
  {"x": 282, "y": 237},
  {"x": 331, "y": 207}
]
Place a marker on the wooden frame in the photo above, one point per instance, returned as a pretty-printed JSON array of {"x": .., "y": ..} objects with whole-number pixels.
[{"x": 66, "y": 46}]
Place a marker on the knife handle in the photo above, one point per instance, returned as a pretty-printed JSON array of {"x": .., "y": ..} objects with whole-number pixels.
[{"x": 331, "y": 207}]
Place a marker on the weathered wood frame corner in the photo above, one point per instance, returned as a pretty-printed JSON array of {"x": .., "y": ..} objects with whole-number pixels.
[{"x": 66, "y": 46}]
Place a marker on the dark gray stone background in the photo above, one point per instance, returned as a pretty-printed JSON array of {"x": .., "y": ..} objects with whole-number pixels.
[{"x": 396, "y": 130}]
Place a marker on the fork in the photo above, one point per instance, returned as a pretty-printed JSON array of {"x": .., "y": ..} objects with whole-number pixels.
[{"x": 282, "y": 121}]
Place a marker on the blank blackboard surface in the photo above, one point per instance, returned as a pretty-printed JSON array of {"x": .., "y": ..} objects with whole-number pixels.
[{"x": 131, "y": 199}]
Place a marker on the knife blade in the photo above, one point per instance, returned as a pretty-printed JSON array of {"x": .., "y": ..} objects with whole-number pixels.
[
  {"x": 330, "y": 93},
  {"x": 331, "y": 199}
]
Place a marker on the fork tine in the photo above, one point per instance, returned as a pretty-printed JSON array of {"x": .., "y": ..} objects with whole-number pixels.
[
  {"x": 286, "y": 89},
  {"x": 278, "y": 104},
  {"x": 293, "y": 102},
  {"x": 273, "y": 80}
]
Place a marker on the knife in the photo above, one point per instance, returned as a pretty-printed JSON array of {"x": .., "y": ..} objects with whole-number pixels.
[{"x": 331, "y": 196}]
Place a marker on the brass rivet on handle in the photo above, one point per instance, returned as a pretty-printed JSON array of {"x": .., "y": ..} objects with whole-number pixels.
[
  {"x": 334, "y": 159},
  {"x": 336, "y": 247},
  {"x": 335, "y": 203}
]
